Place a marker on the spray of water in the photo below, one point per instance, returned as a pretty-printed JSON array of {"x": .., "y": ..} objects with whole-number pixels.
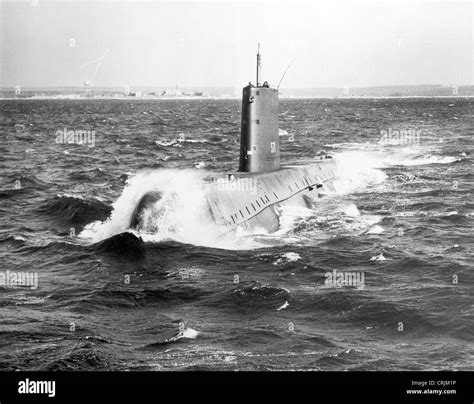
[{"x": 182, "y": 213}]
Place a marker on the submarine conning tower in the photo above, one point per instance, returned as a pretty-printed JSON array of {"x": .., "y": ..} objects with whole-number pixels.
[{"x": 259, "y": 137}]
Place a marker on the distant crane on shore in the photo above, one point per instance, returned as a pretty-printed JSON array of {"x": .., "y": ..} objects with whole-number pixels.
[{"x": 89, "y": 83}]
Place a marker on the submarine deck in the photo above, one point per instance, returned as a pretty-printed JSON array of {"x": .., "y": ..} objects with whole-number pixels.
[
  {"x": 231, "y": 175},
  {"x": 249, "y": 199}
]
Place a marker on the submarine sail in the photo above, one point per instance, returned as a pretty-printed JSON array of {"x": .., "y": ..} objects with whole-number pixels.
[{"x": 259, "y": 137}]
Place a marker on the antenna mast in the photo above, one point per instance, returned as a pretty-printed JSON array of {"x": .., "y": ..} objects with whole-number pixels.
[
  {"x": 259, "y": 67},
  {"x": 284, "y": 73}
]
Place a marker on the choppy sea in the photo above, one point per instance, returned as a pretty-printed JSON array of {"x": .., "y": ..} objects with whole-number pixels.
[{"x": 185, "y": 298}]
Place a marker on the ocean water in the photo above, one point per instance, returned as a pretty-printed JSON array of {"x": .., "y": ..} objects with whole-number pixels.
[{"x": 185, "y": 298}]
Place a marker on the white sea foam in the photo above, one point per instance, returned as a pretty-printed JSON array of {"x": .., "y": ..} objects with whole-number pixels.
[
  {"x": 350, "y": 209},
  {"x": 365, "y": 156},
  {"x": 287, "y": 257},
  {"x": 428, "y": 159},
  {"x": 186, "y": 333},
  {"x": 199, "y": 165},
  {"x": 178, "y": 142},
  {"x": 190, "y": 333},
  {"x": 375, "y": 230},
  {"x": 379, "y": 257},
  {"x": 357, "y": 170},
  {"x": 283, "y": 306}
]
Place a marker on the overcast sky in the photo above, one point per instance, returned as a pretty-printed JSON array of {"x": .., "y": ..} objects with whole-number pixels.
[{"x": 335, "y": 43}]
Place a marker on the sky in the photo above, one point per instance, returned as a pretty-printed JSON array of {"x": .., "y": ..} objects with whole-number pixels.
[{"x": 213, "y": 44}]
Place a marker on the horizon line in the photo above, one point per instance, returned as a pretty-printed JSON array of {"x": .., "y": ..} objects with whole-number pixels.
[{"x": 12, "y": 87}]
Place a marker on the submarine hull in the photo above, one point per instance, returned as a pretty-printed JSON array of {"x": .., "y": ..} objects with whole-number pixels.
[{"x": 250, "y": 201}]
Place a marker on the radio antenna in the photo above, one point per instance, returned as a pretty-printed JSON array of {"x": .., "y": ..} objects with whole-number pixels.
[
  {"x": 259, "y": 66},
  {"x": 284, "y": 73}
]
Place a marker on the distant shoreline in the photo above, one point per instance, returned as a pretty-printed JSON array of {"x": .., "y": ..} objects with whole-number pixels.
[{"x": 191, "y": 98}]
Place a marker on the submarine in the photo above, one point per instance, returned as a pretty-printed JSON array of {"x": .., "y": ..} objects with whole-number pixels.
[{"x": 252, "y": 197}]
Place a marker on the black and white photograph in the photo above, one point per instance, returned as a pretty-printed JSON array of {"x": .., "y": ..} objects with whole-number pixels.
[{"x": 258, "y": 187}]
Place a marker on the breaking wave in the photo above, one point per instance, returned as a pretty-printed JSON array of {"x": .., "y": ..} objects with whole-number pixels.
[{"x": 181, "y": 214}]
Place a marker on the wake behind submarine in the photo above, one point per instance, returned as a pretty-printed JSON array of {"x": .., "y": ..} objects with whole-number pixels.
[{"x": 251, "y": 197}]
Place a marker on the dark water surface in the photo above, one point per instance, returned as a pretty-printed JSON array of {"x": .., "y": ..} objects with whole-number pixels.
[{"x": 107, "y": 299}]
